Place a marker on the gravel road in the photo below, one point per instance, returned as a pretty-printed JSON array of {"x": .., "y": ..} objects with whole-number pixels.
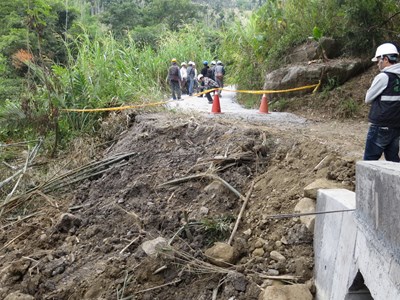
[{"x": 231, "y": 109}]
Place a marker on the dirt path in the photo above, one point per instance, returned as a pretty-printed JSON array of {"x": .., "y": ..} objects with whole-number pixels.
[{"x": 86, "y": 241}]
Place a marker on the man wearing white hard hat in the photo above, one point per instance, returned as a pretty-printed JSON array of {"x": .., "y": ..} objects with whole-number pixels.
[{"x": 384, "y": 98}]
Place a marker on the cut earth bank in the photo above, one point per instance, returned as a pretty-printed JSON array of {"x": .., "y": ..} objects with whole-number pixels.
[{"x": 165, "y": 181}]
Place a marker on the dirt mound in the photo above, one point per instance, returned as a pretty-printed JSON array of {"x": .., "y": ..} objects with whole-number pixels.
[{"x": 178, "y": 180}]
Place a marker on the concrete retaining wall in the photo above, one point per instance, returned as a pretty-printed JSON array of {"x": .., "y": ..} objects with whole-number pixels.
[{"x": 365, "y": 241}]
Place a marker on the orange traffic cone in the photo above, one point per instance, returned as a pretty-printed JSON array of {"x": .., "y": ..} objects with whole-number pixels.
[
  {"x": 264, "y": 105},
  {"x": 216, "y": 108}
]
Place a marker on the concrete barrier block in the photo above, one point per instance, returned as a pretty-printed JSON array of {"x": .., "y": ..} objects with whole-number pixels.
[
  {"x": 378, "y": 200},
  {"x": 328, "y": 234}
]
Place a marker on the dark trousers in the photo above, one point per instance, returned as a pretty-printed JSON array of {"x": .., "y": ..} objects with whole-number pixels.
[
  {"x": 175, "y": 89},
  {"x": 382, "y": 140},
  {"x": 209, "y": 98}
]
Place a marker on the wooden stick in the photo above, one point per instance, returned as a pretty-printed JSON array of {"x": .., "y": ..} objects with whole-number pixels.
[
  {"x": 127, "y": 246},
  {"x": 20, "y": 220},
  {"x": 241, "y": 213},
  {"x": 202, "y": 175},
  {"x": 10, "y": 242},
  {"x": 283, "y": 216},
  {"x": 279, "y": 277}
]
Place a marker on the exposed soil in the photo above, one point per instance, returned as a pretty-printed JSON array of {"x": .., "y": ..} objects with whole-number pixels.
[{"x": 85, "y": 242}]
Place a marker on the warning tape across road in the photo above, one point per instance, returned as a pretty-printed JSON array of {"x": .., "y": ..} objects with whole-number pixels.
[
  {"x": 315, "y": 86},
  {"x": 112, "y": 108}
]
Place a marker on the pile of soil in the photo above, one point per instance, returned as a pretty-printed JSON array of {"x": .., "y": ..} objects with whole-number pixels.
[{"x": 87, "y": 242}]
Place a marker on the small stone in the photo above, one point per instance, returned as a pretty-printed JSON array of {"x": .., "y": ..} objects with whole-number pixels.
[
  {"x": 151, "y": 247},
  {"x": 258, "y": 252},
  {"x": 259, "y": 243},
  {"x": 247, "y": 232},
  {"x": 204, "y": 210},
  {"x": 220, "y": 254},
  {"x": 67, "y": 222},
  {"x": 272, "y": 272},
  {"x": 285, "y": 292},
  {"x": 275, "y": 255}
]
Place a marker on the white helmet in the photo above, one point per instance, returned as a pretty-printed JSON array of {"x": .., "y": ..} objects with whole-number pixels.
[
  {"x": 385, "y": 49},
  {"x": 183, "y": 64},
  {"x": 190, "y": 63},
  {"x": 219, "y": 62},
  {"x": 213, "y": 62},
  {"x": 200, "y": 76}
]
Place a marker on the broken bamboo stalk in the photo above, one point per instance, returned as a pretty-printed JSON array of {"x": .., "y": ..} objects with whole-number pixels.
[{"x": 241, "y": 213}]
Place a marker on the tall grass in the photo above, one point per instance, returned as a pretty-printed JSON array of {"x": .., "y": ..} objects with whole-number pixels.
[{"x": 102, "y": 72}]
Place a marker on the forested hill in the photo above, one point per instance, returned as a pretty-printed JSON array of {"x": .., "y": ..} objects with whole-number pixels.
[{"x": 57, "y": 54}]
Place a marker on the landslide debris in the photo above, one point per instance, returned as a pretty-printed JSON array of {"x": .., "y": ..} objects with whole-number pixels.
[{"x": 140, "y": 229}]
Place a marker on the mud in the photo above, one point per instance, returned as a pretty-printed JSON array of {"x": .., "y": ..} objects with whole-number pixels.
[{"x": 87, "y": 245}]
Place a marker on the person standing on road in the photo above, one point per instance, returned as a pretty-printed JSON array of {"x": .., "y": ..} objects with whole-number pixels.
[
  {"x": 219, "y": 75},
  {"x": 207, "y": 83},
  {"x": 190, "y": 78},
  {"x": 384, "y": 115},
  {"x": 204, "y": 72},
  {"x": 195, "y": 82},
  {"x": 184, "y": 85},
  {"x": 211, "y": 71},
  {"x": 174, "y": 78}
]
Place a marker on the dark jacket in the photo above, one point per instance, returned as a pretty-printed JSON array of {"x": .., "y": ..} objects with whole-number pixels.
[
  {"x": 204, "y": 71},
  {"x": 174, "y": 73},
  {"x": 385, "y": 110}
]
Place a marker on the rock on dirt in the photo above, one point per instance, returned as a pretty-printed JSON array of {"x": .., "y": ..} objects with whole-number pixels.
[{"x": 165, "y": 191}]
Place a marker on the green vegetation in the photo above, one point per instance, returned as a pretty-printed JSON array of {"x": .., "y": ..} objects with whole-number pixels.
[
  {"x": 278, "y": 26},
  {"x": 57, "y": 54}
]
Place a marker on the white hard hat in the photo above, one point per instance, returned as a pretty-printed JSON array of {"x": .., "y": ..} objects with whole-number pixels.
[
  {"x": 200, "y": 76},
  {"x": 219, "y": 62},
  {"x": 385, "y": 49},
  {"x": 213, "y": 62},
  {"x": 183, "y": 64},
  {"x": 190, "y": 63}
]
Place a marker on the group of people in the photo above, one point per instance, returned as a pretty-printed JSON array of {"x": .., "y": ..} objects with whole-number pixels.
[
  {"x": 185, "y": 79},
  {"x": 383, "y": 95}
]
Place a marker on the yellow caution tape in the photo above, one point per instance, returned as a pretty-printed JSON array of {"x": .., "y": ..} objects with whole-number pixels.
[
  {"x": 112, "y": 108},
  {"x": 315, "y": 86}
]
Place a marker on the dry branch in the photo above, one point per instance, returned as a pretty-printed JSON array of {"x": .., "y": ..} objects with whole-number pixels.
[
  {"x": 10, "y": 242},
  {"x": 132, "y": 242},
  {"x": 241, "y": 213},
  {"x": 279, "y": 277},
  {"x": 71, "y": 177},
  {"x": 203, "y": 175}
]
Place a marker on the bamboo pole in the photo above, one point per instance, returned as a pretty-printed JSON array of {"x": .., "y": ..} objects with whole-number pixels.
[{"x": 241, "y": 213}]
